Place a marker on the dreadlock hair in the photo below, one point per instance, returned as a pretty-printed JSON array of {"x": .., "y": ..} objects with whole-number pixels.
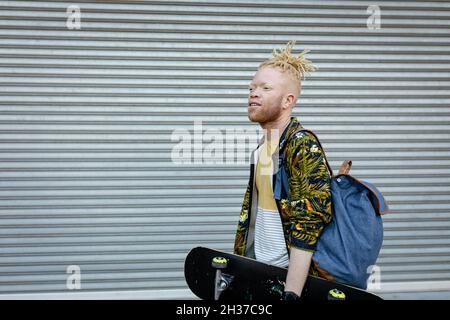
[{"x": 297, "y": 67}]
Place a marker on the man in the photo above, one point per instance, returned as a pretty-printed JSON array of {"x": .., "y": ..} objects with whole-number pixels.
[{"x": 284, "y": 211}]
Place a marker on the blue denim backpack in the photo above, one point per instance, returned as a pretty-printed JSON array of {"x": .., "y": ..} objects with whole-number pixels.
[{"x": 350, "y": 244}]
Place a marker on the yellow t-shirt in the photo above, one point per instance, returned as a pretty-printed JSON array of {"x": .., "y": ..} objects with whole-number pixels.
[{"x": 264, "y": 175}]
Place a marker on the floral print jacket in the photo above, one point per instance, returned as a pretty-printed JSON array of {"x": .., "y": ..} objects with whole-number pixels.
[{"x": 302, "y": 191}]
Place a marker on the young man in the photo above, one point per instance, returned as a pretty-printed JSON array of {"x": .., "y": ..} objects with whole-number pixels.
[{"x": 284, "y": 211}]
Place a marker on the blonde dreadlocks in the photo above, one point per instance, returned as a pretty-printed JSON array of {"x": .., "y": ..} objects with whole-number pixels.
[{"x": 297, "y": 66}]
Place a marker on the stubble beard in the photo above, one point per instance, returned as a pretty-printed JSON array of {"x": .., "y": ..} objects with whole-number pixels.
[{"x": 266, "y": 115}]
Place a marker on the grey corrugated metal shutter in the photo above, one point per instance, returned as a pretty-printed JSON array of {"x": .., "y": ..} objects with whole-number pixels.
[{"x": 86, "y": 118}]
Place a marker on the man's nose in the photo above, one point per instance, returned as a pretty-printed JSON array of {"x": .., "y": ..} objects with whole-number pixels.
[{"x": 254, "y": 93}]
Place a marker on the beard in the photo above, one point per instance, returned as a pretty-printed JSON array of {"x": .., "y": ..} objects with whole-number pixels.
[{"x": 266, "y": 112}]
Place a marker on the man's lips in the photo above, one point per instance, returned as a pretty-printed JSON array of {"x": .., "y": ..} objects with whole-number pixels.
[{"x": 254, "y": 104}]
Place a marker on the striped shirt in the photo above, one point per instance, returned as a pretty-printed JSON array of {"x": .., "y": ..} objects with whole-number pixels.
[{"x": 270, "y": 245}]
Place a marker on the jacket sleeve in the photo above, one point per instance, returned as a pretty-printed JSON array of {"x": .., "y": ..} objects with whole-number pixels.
[
  {"x": 310, "y": 188},
  {"x": 243, "y": 225}
]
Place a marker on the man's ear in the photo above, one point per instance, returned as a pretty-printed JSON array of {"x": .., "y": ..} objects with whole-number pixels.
[{"x": 289, "y": 101}]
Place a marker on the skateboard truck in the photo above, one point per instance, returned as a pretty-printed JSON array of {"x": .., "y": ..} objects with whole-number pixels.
[{"x": 222, "y": 281}]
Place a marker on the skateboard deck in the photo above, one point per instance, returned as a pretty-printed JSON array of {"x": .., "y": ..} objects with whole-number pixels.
[{"x": 217, "y": 275}]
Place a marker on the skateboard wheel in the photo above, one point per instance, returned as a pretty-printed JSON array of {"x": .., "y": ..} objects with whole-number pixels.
[
  {"x": 219, "y": 263},
  {"x": 223, "y": 285},
  {"x": 335, "y": 294}
]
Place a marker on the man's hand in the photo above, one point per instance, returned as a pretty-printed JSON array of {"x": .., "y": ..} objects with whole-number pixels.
[{"x": 298, "y": 270}]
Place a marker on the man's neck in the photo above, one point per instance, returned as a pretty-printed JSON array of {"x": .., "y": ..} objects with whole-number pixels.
[{"x": 273, "y": 130}]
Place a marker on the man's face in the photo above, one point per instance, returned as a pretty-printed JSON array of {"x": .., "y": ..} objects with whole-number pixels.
[{"x": 267, "y": 91}]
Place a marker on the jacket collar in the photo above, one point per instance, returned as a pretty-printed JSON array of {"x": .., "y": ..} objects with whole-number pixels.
[
  {"x": 293, "y": 125},
  {"x": 280, "y": 182}
]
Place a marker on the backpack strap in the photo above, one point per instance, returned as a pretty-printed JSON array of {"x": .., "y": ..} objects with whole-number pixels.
[{"x": 345, "y": 167}]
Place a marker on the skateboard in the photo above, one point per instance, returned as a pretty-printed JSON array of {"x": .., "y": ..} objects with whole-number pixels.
[{"x": 217, "y": 275}]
